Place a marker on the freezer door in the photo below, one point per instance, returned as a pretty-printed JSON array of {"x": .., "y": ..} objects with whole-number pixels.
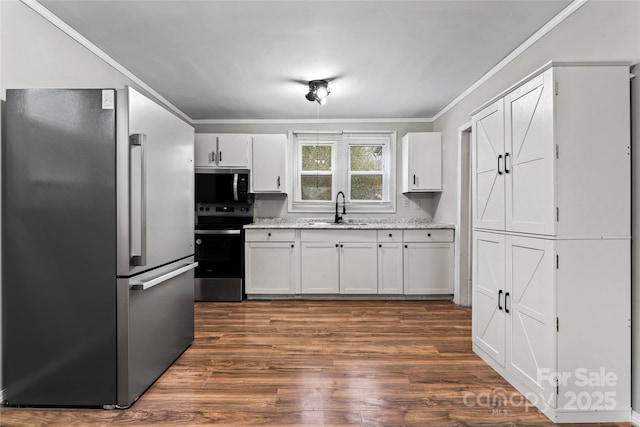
[
  {"x": 155, "y": 185},
  {"x": 155, "y": 325}
]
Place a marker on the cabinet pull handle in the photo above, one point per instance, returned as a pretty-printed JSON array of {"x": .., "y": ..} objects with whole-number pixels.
[
  {"x": 499, "y": 158},
  {"x": 342, "y": 246},
  {"x": 336, "y": 245},
  {"x": 390, "y": 235},
  {"x": 291, "y": 245},
  {"x": 219, "y": 156},
  {"x": 278, "y": 181},
  {"x": 269, "y": 234},
  {"x": 428, "y": 234},
  {"x": 406, "y": 246},
  {"x": 499, "y": 298},
  {"x": 414, "y": 179},
  {"x": 506, "y": 296},
  {"x": 379, "y": 246},
  {"x": 506, "y": 157}
]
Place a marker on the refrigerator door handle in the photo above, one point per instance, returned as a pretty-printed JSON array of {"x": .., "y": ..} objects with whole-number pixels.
[
  {"x": 143, "y": 286},
  {"x": 140, "y": 259}
]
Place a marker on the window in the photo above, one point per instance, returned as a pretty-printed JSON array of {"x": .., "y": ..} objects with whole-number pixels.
[{"x": 356, "y": 163}]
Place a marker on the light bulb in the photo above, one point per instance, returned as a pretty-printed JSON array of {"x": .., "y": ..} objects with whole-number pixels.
[{"x": 322, "y": 92}]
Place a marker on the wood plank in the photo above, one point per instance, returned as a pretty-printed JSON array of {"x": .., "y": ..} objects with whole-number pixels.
[{"x": 306, "y": 363}]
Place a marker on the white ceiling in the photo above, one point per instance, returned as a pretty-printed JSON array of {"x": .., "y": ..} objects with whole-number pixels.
[{"x": 230, "y": 60}]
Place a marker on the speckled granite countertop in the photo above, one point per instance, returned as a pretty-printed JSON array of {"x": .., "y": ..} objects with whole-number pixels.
[{"x": 348, "y": 224}]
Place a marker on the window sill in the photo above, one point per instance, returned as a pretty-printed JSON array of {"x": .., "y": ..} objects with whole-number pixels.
[{"x": 351, "y": 208}]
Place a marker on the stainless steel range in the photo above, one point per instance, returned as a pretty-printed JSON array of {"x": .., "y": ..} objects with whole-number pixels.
[{"x": 219, "y": 243}]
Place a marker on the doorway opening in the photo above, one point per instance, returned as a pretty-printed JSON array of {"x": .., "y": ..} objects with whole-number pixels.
[{"x": 463, "y": 242}]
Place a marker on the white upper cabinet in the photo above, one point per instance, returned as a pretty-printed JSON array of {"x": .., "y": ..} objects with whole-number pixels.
[
  {"x": 422, "y": 162},
  {"x": 552, "y": 155},
  {"x": 222, "y": 150},
  {"x": 268, "y": 164}
]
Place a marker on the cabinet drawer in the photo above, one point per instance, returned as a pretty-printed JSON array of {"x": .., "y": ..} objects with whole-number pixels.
[
  {"x": 338, "y": 236},
  {"x": 385, "y": 236},
  {"x": 270, "y": 235},
  {"x": 435, "y": 235}
]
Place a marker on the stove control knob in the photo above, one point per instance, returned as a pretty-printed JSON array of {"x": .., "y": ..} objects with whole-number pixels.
[
  {"x": 198, "y": 242},
  {"x": 206, "y": 209}
]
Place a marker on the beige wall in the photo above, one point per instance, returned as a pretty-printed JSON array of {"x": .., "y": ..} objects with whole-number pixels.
[
  {"x": 420, "y": 206},
  {"x": 600, "y": 30}
]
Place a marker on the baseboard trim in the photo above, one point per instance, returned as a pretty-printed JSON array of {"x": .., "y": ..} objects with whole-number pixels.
[{"x": 635, "y": 418}]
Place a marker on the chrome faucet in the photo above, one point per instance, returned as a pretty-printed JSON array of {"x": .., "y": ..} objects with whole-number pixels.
[{"x": 338, "y": 218}]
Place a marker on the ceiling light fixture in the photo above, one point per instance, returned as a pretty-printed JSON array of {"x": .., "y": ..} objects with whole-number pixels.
[{"x": 318, "y": 91}]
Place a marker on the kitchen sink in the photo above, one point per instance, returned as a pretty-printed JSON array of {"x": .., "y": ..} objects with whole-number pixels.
[{"x": 327, "y": 223}]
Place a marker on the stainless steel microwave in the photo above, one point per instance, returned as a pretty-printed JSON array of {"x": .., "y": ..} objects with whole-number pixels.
[{"x": 222, "y": 186}]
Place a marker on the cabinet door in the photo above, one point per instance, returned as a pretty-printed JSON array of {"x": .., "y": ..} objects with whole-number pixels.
[
  {"x": 205, "y": 149},
  {"x": 487, "y": 162},
  {"x": 390, "y": 268},
  {"x": 233, "y": 151},
  {"x": 428, "y": 268},
  {"x": 268, "y": 163},
  {"x": 270, "y": 267},
  {"x": 422, "y": 162},
  {"x": 489, "y": 288},
  {"x": 320, "y": 268},
  {"x": 531, "y": 319},
  {"x": 358, "y": 271},
  {"x": 530, "y": 157}
]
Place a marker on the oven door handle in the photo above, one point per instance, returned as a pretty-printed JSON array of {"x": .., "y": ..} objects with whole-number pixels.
[{"x": 219, "y": 232}]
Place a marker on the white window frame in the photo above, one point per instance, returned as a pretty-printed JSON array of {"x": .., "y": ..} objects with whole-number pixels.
[{"x": 342, "y": 141}]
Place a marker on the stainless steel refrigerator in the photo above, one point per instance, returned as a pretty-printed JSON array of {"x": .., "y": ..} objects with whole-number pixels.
[{"x": 98, "y": 196}]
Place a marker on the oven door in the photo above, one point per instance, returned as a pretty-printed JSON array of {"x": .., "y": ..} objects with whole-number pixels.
[
  {"x": 220, "y": 271},
  {"x": 219, "y": 253}
]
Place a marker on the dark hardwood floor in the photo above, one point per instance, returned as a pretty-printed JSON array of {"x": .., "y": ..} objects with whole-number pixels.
[{"x": 333, "y": 363}]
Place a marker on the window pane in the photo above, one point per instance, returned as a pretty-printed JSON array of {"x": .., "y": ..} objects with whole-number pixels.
[
  {"x": 316, "y": 187},
  {"x": 316, "y": 157},
  {"x": 366, "y": 158},
  {"x": 366, "y": 187}
]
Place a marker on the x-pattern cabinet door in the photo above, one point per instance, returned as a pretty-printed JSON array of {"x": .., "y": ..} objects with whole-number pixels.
[
  {"x": 489, "y": 293},
  {"x": 531, "y": 306},
  {"x": 529, "y": 167},
  {"x": 488, "y": 166}
]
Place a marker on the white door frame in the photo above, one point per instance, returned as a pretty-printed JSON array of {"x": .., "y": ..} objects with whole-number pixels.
[{"x": 462, "y": 241}]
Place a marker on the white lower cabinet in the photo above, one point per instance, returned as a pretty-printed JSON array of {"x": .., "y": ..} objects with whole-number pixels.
[
  {"x": 341, "y": 262},
  {"x": 349, "y": 262},
  {"x": 390, "y": 267},
  {"x": 271, "y": 262},
  {"x": 428, "y": 262},
  {"x": 358, "y": 272},
  {"x": 319, "y": 268},
  {"x": 552, "y": 317}
]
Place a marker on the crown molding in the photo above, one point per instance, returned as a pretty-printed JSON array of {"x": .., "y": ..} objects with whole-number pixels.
[
  {"x": 555, "y": 21},
  {"x": 305, "y": 121},
  {"x": 67, "y": 29}
]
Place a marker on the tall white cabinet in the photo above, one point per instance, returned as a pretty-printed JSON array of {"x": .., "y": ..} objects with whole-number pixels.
[{"x": 551, "y": 245}]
